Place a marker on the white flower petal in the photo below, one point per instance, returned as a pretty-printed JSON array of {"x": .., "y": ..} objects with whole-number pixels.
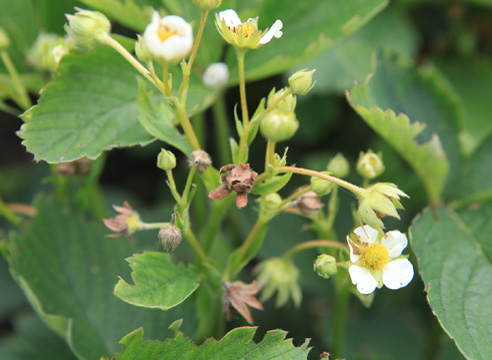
[
  {"x": 230, "y": 17},
  {"x": 274, "y": 31},
  {"x": 397, "y": 274},
  {"x": 363, "y": 278},
  {"x": 366, "y": 234},
  {"x": 395, "y": 242},
  {"x": 353, "y": 257},
  {"x": 216, "y": 75}
]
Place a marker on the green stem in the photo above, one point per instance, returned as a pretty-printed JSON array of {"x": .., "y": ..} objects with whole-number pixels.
[
  {"x": 185, "y": 123},
  {"x": 165, "y": 80},
  {"x": 108, "y": 40},
  {"x": 243, "y": 142},
  {"x": 312, "y": 244},
  {"x": 332, "y": 211},
  {"x": 187, "y": 73},
  {"x": 186, "y": 191},
  {"x": 341, "y": 305},
  {"x": 172, "y": 186},
  {"x": 215, "y": 219},
  {"x": 23, "y": 98},
  {"x": 192, "y": 240},
  {"x": 222, "y": 129},
  {"x": 277, "y": 101},
  {"x": 270, "y": 153},
  {"x": 198, "y": 123},
  {"x": 150, "y": 226},
  {"x": 345, "y": 184}
]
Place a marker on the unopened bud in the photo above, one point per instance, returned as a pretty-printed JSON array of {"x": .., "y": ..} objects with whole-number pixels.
[
  {"x": 287, "y": 104},
  {"x": 271, "y": 201},
  {"x": 339, "y": 166},
  {"x": 170, "y": 235},
  {"x": 141, "y": 50},
  {"x": 301, "y": 82},
  {"x": 207, "y": 5},
  {"x": 166, "y": 160},
  {"x": 370, "y": 165},
  {"x": 200, "y": 159},
  {"x": 41, "y": 54},
  {"x": 320, "y": 186},
  {"x": 87, "y": 28},
  {"x": 279, "y": 126},
  {"x": 4, "y": 39},
  {"x": 216, "y": 76},
  {"x": 326, "y": 266}
]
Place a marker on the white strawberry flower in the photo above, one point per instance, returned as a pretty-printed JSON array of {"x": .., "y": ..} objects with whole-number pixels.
[
  {"x": 169, "y": 39},
  {"x": 378, "y": 260},
  {"x": 216, "y": 75}
]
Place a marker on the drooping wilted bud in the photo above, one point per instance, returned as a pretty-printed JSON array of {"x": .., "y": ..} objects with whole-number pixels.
[
  {"x": 216, "y": 75},
  {"x": 308, "y": 203},
  {"x": 166, "y": 160},
  {"x": 301, "y": 82},
  {"x": 370, "y": 165},
  {"x": 126, "y": 223},
  {"x": 339, "y": 166},
  {"x": 320, "y": 186},
  {"x": 141, "y": 50},
  {"x": 278, "y": 125},
  {"x": 200, "y": 159},
  {"x": 207, "y": 5},
  {"x": 4, "y": 39},
  {"x": 170, "y": 235},
  {"x": 87, "y": 28},
  {"x": 325, "y": 265}
]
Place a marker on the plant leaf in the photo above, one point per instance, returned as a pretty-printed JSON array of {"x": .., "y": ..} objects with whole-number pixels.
[
  {"x": 157, "y": 119},
  {"x": 455, "y": 254},
  {"x": 419, "y": 96},
  {"x": 236, "y": 344},
  {"x": 67, "y": 269},
  {"x": 158, "y": 282},
  {"x": 271, "y": 185}
]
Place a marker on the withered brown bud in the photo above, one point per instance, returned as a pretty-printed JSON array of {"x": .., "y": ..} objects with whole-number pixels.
[
  {"x": 240, "y": 179},
  {"x": 200, "y": 159},
  {"x": 79, "y": 167},
  {"x": 240, "y": 296},
  {"x": 308, "y": 203},
  {"x": 170, "y": 235},
  {"x": 125, "y": 223}
]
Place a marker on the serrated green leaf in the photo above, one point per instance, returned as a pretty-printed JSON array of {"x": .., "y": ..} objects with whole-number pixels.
[
  {"x": 271, "y": 185},
  {"x": 157, "y": 119},
  {"x": 236, "y": 344},
  {"x": 431, "y": 149},
  {"x": 135, "y": 15},
  {"x": 455, "y": 264},
  {"x": 67, "y": 269},
  {"x": 88, "y": 107},
  {"x": 310, "y": 27},
  {"x": 158, "y": 282}
]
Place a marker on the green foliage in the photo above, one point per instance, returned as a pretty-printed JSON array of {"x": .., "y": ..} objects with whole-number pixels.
[
  {"x": 158, "y": 282},
  {"x": 67, "y": 269},
  {"x": 420, "y": 98},
  {"x": 271, "y": 185},
  {"x": 455, "y": 261},
  {"x": 236, "y": 344}
]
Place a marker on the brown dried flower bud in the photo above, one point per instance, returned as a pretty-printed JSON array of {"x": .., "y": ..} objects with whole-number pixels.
[
  {"x": 79, "y": 167},
  {"x": 308, "y": 203},
  {"x": 125, "y": 223},
  {"x": 240, "y": 295},
  {"x": 200, "y": 159},
  {"x": 170, "y": 235},
  {"x": 240, "y": 179}
]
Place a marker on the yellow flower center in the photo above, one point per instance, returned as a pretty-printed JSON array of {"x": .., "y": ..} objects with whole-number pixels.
[
  {"x": 374, "y": 256},
  {"x": 246, "y": 28},
  {"x": 164, "y": 32}
]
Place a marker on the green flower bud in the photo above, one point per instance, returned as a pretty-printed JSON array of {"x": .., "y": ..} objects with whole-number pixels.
[
  {"x": 326, "y": 266},
  {"x": 87, "y": 28},
  {"x": 320, "y": 186},
  {"x": 41, "y": 55},
  {"x": 339, "y": 166},
  {"x": 270, "y": 201},
  {"x": 207, "y": 5},
  {"x": 4, "y": 39},
  {"x": 370, "y": 165},
  {"x": 141, "y": 50},
  {"x": 287, "y": 104},
  {"x": 166, "y": 160},
  {"x": 279, "y": 126},
  {"x": 302, "y": 82}
]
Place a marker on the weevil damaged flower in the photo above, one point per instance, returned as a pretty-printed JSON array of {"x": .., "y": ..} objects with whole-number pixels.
[
  {"x": 244, "y": 34},
  {"x": 169, "y": 39},
  {"x": 125, "y": 223},
  {"x": 200, "y": 159},
  {"x": 240, "y": 296},
  {"x": 170, "y": 235},
  {"x": 308, "y": 203},
  {"x": 378, "y": 260},
  {"x": 240, "y": 179}
]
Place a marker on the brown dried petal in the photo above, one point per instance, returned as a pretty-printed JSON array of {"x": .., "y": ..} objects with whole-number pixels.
[
  {"x": 240, "y": 295},
  {"x": 220, "y": 193},
  {"x": 241, "y": 199}
]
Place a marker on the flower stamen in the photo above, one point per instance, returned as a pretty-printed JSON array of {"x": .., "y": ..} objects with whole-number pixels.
[
  {"x": 164, "y": 33},
  {"x": 375, "y": 256},
  {"x": 247, "y": 29}
]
